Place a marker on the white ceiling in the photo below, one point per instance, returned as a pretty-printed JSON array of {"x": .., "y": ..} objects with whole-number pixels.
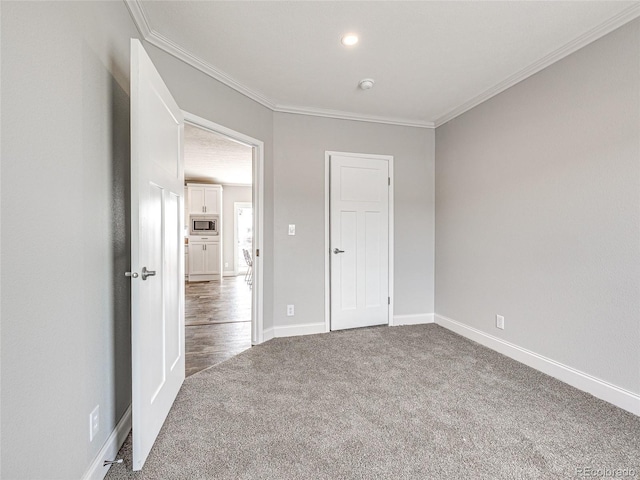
[
  {"x": 213, "y": 158},
  {"x": 431, "y": 60}
]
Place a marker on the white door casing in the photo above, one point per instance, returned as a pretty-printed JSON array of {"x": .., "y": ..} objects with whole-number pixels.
[
  {"x": 157, "y": 244},
  {"x": 359, "y": 241}
]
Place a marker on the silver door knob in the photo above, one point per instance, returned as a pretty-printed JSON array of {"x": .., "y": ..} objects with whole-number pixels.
[
  {"x": 337, "y": 251},
  {"x": 131, "y": 274},
  {"x": 147, "y": 273}
]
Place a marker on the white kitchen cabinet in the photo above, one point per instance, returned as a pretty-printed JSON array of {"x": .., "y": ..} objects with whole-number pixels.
[
  {"x": 204, "y": 259},
  {"x": 196, "y": 259},
  {"x": 204, "y": 199}
]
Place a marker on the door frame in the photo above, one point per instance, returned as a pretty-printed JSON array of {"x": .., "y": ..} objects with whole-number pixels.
[
  {"x": 257, "y": 297},
  {"x": 236, "y": 206},
  {"x": 327, "y": 230}
]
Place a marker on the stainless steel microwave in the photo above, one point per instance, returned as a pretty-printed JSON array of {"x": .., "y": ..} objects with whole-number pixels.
[{"x": 205, "y": 225}]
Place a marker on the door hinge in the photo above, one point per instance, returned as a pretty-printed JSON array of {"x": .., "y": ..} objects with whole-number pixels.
[
  {"x": 389, "y": 178},
  {"x": 257, "y": 252},
  {"x": 388, "y": 300}
]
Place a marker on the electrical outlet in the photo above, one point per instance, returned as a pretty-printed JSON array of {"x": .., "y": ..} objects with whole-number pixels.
[
  {"x": 500, "y": 322},
  {"x": 226, "y": 264},
  {"x": 94, "y": 423},
  {"x": 290, "y": 311},
  {"x": 292, "y": 229}
]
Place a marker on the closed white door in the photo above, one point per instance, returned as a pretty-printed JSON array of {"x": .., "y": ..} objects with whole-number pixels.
[
  {"x": 157, "y": 252},
  {"x": 359, "y": 241}
]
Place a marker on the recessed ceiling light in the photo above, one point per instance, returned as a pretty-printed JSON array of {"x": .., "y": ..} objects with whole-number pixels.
[{"x": 349, "y": 39}]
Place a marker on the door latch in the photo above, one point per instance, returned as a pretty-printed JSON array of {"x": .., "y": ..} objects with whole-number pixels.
[{"x": 147, "y": 273}]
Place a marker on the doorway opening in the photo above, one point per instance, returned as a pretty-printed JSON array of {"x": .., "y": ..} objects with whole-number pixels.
[{"x": 223, "y": 288}]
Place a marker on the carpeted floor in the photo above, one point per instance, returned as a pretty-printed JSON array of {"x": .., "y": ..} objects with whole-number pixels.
[{"x": 402, "y": 403}]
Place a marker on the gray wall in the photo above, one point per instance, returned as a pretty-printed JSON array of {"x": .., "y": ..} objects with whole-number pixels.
[
  {"x": 537, "y": 213},
  {"x": 65, "y": 170},
  {"x": 300, "y": 143},
  {"x": 230, "y": 195},
  {"x": 65, "y": 304},
  {"x": 201, "y": 95}
]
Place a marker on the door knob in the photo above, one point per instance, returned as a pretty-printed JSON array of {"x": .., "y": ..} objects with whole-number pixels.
[
  {"x": 147, "y": 273},
  {"x": 131, "y": 274},
  {"x": 337, "y": 251}
]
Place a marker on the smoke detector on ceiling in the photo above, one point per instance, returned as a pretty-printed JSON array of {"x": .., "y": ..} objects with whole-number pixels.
[{"x": 366, "y": 83}]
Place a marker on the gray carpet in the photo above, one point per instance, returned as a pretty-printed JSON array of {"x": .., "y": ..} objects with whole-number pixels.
[{"x": 404, "y": 402}]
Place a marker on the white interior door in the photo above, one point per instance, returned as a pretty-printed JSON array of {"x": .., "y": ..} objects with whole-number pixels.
[
  {"x": 359, "y": 241},
  {"x": 157, "y": 244}
]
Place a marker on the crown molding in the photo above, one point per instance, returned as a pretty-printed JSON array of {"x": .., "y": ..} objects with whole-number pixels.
[
  {"x": 319, "y": 112},
  {"x": 169, "y": 46},
  {"x": 592, "y": 35},
  {"x": 180, "y": 53},
  {"x": 139, "y": 17}
]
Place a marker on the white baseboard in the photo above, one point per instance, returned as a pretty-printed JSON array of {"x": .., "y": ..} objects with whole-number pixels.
[
  {"x": 583, "y": 381},
  {"x": 267, "y": 334},
  {"x": 110, "y": 448},
  {"x": 415, "y": 319},
  {"x": 229, "y": 273},
  {"x": 295, "y": 330}
]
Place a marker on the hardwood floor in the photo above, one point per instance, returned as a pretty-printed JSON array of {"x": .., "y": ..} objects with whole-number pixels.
[
  {"x": 217, "y": 302},
  {"x": 217, "y": 322}
]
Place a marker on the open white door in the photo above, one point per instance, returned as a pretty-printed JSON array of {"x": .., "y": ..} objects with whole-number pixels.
[
  {"x": 359, "y": 240},
  {"x": 157, "y": 252}
]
